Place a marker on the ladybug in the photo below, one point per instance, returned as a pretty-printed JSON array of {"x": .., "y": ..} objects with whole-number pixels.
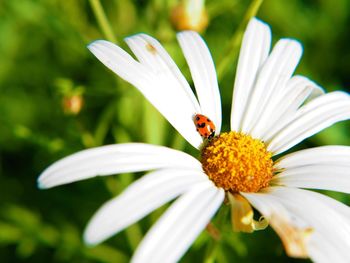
[{"x": 205, "y": 127}]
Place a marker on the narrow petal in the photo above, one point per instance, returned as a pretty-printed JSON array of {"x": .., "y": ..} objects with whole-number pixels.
[
  {"x": 157, "y": 78},
  {"x": 274, "y": 74},
  {"x": 326, "y": 155},
  {"x": 139, "y": 199},
  {"x": 340, "y": 208},
  {"x": 313, "y": 117},
  {"x": 326, "y": 167},
  {"x": 283, "y": 105},
  {"x": 254, "y": 51},
  {"x": 113, "y": 159},
  {"x": 325, "y": 177},
  {"x": 203, "y": 74},
  {"x": 175, "y": 231}
]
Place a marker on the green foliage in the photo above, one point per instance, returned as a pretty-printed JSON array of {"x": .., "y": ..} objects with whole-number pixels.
[{"x": 44, "y": 61}]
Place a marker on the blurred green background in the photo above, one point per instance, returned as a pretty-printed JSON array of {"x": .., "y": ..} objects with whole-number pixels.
[{"x": 47, "y": 73}]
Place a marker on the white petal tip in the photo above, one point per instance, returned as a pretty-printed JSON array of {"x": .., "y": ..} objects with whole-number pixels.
[
  {"x": 126, "y": 39},
  {"x": 98, "y": 44},
  {"x": 90, "y": 242},
  {"x": 256, "y": 20},
  {"x": 186, "y": 32},
  {"x": 90, "y": 239},
  {"x": 41, "y": 186},
  {"x": 41, "y": 182},
  {"x": 296, "y": 44},
  {"x": 259, "y": 25}
]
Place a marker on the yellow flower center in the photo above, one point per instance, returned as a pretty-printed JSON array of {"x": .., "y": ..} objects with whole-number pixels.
[{"x": 237, "y": 162}]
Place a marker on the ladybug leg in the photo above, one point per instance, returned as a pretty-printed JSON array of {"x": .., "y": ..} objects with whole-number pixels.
[{"x": 211, "y": 136}]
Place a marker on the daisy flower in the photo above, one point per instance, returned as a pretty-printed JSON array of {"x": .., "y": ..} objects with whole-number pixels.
[{"x": 272, "y": 111}]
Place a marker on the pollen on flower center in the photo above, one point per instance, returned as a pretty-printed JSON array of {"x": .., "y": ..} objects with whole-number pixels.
[{"x": 237, "y": 162}]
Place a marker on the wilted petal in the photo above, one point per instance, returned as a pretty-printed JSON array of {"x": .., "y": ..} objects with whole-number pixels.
[
  {"x": 325, "y": 218},
  {"x": 295, "y": 235},
  {"x": 242, "y": 215}
]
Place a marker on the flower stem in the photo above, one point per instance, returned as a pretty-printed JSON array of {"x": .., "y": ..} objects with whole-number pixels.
[
  {"x": 102, "y": 20},
  {"x": 211, "y": 252},
  {"x": 233, "y": 46}
]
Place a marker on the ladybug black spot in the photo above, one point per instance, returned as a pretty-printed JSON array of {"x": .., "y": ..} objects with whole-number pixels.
[
  {"x": 197, "y": 118},
  {"x": 206, "y": 134},
  {"x": 208, "y": 120},
  {"x": 197, "y": 130},
  {"x": 202, "y": 125}
]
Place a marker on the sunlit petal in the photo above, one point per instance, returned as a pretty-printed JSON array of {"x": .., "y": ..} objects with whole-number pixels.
[
  {"x": 162, "y": 84},
  {"x": 175, "y": 231},
  {"x": 139, "y": 199},
  {"x": 326, "y": 167},
  {"x": 323, "y": 155},
  {"x": 313, "y": 117},
  {"x": 204, "y": 75},
  {"x": 284, "y": 104},
  {"x": 326, "y": 219},
  {"x": 273, "y": 75},
  {"x": 254, "y": 51},
  {"x": 294, "y": 233},
  {"x": 302, "y": 218},
  {"x": 113, "y": 159}
]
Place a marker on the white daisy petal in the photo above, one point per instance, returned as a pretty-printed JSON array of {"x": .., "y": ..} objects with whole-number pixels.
[
  {"x": 292, "y": 231},
  {"x": 322, "y": 251},
  {"x": 326, "y": 177},
  {"x": 333, "y": 204},
  {"x": 326, "y": 167},
  {"x": 303, "y": 210},
  {"x": 283, "y": 105},
  {"x": 313, "y": 117},
  {"x": 280, "y": 65},
  {"x": 180, "y": 225},
  {"x": 121, "y": 63},
  {"x": 310, "y": 207},
  {"x": 323, "y": 155},
  {"x": 203, "y": 74},
  {"x": 162, "y": 84},
  {"x": 139, "y": 199},
  {"x": 152, "y": 54},
  {"x": 112, "y": 159},
  {"x": 254, "y": 51}
]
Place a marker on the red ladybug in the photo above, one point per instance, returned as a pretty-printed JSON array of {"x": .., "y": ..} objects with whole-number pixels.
[{"x": 205, "y": 127}]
